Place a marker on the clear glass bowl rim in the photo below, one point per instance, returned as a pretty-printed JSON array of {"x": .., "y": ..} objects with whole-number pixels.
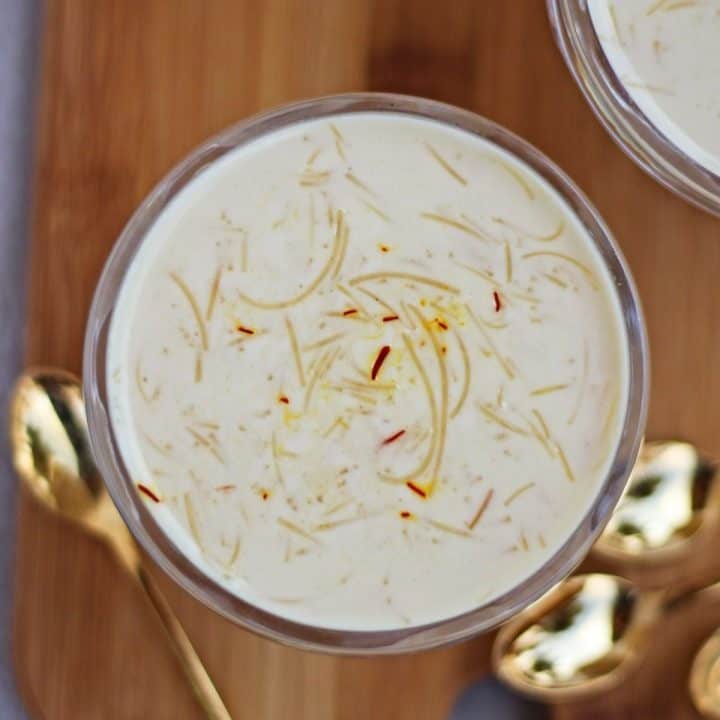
[
  {"x": 619, "y": 114},
  {"x": 151, "y": 536}
]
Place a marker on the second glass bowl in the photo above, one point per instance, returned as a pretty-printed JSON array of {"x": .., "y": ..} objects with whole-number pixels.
[{"x": 611, "y": 102}]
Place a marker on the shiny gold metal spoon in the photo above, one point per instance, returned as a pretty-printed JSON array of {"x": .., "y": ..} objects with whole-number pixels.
[
  {"x": 51, "y": 453},
  {"x": 583, "y": 637},
  {"x": 588, "y": 632},
  {"x": 670, "y": 502},
  {"x": 705, "y": 678}
]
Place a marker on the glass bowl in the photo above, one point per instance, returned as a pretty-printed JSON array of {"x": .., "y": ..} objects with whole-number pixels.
[
  {"x": 615, "y": 108},
  {"x": 162, "y": 550}
]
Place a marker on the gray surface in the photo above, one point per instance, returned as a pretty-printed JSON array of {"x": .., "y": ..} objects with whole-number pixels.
[
  {"x": 18, "y": 51},
  {"x": 489, "y": 700}
]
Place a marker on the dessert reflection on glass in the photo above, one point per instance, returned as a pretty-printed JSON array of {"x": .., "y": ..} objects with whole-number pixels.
[
  {"x": 665, "y": 54},
  {"x": 368, "y": 371}
]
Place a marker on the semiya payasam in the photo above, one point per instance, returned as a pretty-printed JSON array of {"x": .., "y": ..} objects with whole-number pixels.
[
  {"x": 368, "y": 373},
  {"x": 666, "y": 53}
]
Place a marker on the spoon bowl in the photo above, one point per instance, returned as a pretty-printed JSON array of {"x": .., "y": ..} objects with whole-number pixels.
[
  {"x": 48, "y": 433},
  {"x": 581, "y": 637},
  {"x": 670, "y": 503},
  {"x": 51, "y": 454}
]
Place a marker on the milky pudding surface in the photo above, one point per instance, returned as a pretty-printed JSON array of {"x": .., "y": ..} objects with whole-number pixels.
[
  {"x": 667, "y": 55},
  {"x": 367, "y": 371}
]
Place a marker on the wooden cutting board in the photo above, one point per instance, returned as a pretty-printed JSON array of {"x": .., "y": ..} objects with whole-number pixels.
[{"x": 128, "y": 88}]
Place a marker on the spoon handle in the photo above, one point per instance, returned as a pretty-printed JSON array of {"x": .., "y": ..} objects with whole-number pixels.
[
  {"x": 195, "y": 672},
  {"x": 106, "y": 522},
  {"x": 675, "y": 598}
]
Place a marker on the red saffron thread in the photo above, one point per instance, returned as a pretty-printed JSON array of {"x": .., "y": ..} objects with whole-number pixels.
[
  {"x": 243, "y": 329},
  {"x": 442, "y": 324},
  {"x": 393, "y": 438},
  {"x": 284, "y": 399},
  {"x": 404, "y": 514},
  {"x": 351, "y": 311},
  {"x": 390, "y": 318},
  {"x": 416, "y": 489},
  {"x": 496, "y": 299},
  {"x": 147, "y": 491},
  {"x": 379, "y": 360}
]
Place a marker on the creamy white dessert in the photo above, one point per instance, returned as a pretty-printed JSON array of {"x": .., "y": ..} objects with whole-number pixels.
[
  {"x": 368, "y": 372},
  {"x": 667, "y": 55}
]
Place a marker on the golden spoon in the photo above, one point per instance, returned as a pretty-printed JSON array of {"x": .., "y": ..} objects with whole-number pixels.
[
  {"x": 669, "y": 504},
  {"x": 583, "y": 637},
  {"x": 705, "y": 678},
  {"x": 51, "y": 453},
  {"x": 588, "y": 632}
]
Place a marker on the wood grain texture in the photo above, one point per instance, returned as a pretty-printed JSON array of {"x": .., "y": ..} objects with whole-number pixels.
[{"x": 129, "y": 87}]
